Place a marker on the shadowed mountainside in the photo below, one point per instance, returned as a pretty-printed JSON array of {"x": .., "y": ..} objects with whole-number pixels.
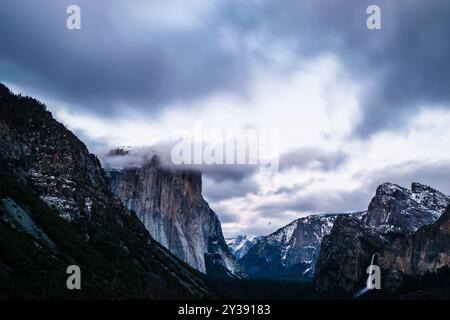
[{"x": 57, "y": 210}]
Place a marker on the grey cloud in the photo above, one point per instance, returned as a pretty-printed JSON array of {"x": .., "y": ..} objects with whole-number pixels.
[
  {"x": 288, "y": 191},
  {"x": 402, "y": 67},
  {"x": 311, "y": 158},
  {"x": 227, "y": 218},
  {"x": 221, "y": 173},
  {"x": 114, "y": 64},
  {"x": 436, "y": 175},
  {"x": 225, "y": 215},
  {"x": 314, "y": 203},
  {"x": 226, "y": 189}
]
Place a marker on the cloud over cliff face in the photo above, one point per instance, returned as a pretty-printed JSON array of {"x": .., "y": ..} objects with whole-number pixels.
[{"x": 354, "y": 107}]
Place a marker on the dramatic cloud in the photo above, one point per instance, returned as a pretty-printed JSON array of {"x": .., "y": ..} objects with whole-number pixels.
[
  {"x": 148, "y": 55},
  {"x": 122, "y": 60},
  {"x": 403, "y": 66},
  {"x": 129, "y": 157}
]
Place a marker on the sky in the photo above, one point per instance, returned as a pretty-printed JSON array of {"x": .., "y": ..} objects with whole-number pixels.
[{"x": 353, "y": 107}]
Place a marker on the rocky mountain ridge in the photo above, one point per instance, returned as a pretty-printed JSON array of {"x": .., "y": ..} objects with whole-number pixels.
[{"x": 425, "y": 251}]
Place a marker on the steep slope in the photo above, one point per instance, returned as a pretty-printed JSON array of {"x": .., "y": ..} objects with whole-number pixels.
[
  {"x": 290, "y": 252},
  {"x": 51, "y": 182},
  {"x": 345, "y": 255},
  {"x": 170, "y": 205}
]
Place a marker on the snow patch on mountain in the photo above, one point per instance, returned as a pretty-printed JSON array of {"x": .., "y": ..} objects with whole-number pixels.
[
  {"x": 290, "y": 252},
  {"x": 240, "y": 245},
  {"x": 396, "y": 209}
]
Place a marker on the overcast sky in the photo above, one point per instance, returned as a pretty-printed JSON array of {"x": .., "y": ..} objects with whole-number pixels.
[{"x": 354, "y": 107}]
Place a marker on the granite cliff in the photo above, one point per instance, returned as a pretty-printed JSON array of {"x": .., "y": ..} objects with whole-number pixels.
[{"x": 171, "y": 206}]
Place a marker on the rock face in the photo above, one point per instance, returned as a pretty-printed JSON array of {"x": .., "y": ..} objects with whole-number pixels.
[
  {"x": 400, "y": 225},
  {"x": 425, "y": 251},
  {"x": 57, "y": 210},
  {"x": 170, "y": 205},
  {"x": 345, "y": 255},
  {"x": 290, "y": 252},
  {"x": 397, "y": 209}
]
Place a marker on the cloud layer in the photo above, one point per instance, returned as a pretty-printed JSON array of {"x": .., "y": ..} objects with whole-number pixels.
[{"x": 145, "y": 56}]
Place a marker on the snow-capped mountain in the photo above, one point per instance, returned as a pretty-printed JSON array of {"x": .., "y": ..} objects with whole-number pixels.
[
  {"x": 240, "y": 245},
  {"x": 290, "y": 252},
  {"x": 400, "y": 210}
]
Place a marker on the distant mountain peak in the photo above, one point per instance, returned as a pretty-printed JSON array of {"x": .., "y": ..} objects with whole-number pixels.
[
  {"x": 391, "y": 189},
  {"x": 240, "y": 245}
]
